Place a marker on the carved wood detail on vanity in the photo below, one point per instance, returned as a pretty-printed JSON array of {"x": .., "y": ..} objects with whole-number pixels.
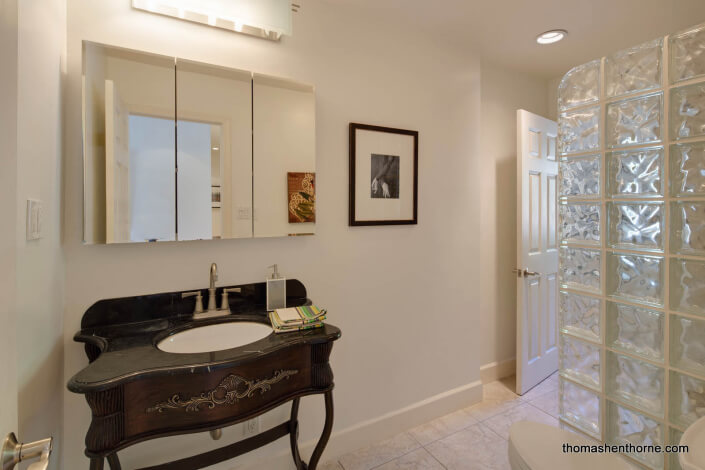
[
  {"x": 145, "y": 394},
  {"x": 229, "y": 391}
]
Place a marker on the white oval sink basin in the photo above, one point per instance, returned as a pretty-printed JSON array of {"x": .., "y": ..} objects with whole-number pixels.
[{"x": 213, "y": 338}]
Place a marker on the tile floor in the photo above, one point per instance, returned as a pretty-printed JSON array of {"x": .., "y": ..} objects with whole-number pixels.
[{"x": 471, "y": 438}]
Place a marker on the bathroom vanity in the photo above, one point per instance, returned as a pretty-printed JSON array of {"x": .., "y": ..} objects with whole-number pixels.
[{"x": 137, "y": 391}]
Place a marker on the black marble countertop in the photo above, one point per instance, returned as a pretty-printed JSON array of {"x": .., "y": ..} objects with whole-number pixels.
[{"x": 123, "y": 334}]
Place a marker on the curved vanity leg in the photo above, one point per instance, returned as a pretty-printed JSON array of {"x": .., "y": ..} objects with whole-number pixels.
[
  {"x": 114, "y": 462},
  {"x": 294, "y": 435},
  {"x": 325, "y": 435},
  {"x": 97, "y": 463}
]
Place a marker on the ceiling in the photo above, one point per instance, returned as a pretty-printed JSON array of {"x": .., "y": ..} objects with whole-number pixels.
[{"x": 504, "y": 31}]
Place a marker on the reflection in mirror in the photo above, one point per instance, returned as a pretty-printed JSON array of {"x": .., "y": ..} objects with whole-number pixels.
[
  {"x": 179, "y": 150},
  {"x": 214, "y": 151},
  {"x": 284, "y": 157},
  {"x": 128, "y": 111},
  {"x": 152, "y": 214}
]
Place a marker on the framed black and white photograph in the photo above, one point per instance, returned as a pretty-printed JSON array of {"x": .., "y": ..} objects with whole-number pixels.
[{"x": 383, "y": 175}]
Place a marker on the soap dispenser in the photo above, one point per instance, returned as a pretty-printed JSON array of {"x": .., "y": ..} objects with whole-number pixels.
[{"x": 276, "y": 290}]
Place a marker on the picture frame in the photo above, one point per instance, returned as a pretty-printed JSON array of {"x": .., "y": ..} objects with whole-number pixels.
[
  {"x": 301, "y": 199},
  {"x": 384, "y": 164}
]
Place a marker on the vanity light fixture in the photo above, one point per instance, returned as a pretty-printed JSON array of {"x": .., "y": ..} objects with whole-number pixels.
[
  {"x": 269, "y": 19},
  {"x": 549, "y": 37}
]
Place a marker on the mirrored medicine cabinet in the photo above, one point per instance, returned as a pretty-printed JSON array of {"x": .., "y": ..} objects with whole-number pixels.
[{"x": 180, "y": 150}]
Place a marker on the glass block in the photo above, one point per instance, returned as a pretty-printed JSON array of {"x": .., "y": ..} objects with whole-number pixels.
[
  {"x": 580, "y": 268},
  {"x": 635, "y": 382},
  {"x": 634, "y": 69},
  {"x": 634, "y": 121},
  {"x": 635, "y": 173},
  {"x": 581, "y": 85},
  {"x": 687, "y": 114},
  {"x": 688, "y": 169},
  {"x": 580, "y": 407},
  {"x": 687, "y": 286},
  {"x": 636, "y": 226},
  {"x": 625, "y": 427},
  {"x": 687, "y": 53},
  {"x": 580, "y": 176},
  {"x": 580, "y": 361},
  {"x": 674, "y": 439},
  {"x": 687, "y": 397},
  {"x": 579, "y": 131},
  {"x": 580, "y": 315},
  {"x": 688, "y": 228},
  {"x": 634, "y": 277},
  {"x": 580, "y": 222},
  {"x": 687, "y": 344},
  {"x": 635, "y": 330}
]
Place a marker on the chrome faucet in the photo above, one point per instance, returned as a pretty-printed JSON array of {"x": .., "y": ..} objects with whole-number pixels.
[{"x": 212, "y": 311}]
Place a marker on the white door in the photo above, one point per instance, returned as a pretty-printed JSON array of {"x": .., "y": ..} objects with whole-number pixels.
[
  {"x": 537, "y": 250},
  {"x": 117, "y": 167}
]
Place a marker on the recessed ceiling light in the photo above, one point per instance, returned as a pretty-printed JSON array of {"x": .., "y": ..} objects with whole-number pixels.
[
  {"x": 216, "y": 148},
  {"x": 549, "y": 37}
]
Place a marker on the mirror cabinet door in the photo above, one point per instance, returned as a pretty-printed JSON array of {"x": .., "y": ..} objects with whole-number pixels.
[
  {"x": 284, "y": 157},
  {"x": 180, "y": 150},
  {"x": 128, "y": 118},
  {"x": 214, "y": 151}
]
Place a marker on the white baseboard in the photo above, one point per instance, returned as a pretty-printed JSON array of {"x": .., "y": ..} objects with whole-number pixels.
[
  {"x": 377, "y": 429},
  {"x": 497, "y": 370}
]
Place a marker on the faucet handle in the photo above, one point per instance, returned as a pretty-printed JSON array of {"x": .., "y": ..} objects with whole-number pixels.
[
  {"x": 224, "y": 304},
  {"x": 199, "y": 299}
]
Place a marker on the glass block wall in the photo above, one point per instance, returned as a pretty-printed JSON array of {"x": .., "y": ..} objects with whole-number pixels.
[{"x": 632, "y": 257}]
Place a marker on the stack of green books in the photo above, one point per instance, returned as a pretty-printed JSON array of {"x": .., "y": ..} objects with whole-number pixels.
[{"x": 306, "y": 317}]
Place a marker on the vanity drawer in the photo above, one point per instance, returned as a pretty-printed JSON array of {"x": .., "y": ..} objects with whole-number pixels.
[{"x": 186, "y": 400}]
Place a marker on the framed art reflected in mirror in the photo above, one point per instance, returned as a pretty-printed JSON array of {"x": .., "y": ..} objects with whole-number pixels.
[{"x": 383, "y": 175}]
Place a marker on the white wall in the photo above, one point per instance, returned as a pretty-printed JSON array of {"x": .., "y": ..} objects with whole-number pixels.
[
  {"x": 503, "y": 92},
  {"x": 553, "y": 97},
  {"x": 8, "y": 211},
  {"x": 40, "y": 265},
  {"x": 394, "y": 291}
]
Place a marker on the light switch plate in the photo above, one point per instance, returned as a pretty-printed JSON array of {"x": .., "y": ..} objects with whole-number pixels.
[{"x": 35, "y": 214}]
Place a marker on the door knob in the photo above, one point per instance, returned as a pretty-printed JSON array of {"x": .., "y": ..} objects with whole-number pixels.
[
  {"x": 530, "y": 273},
  {"x": 13, "y": 453}
]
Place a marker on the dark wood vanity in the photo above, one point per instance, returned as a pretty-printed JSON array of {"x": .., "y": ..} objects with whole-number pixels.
[{"x": 137, "y": 392}]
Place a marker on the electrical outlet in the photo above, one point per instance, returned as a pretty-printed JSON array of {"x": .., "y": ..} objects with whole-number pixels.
[
  {"x": 251, "y": 427},
  {"x": 244, "y": 213}
]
